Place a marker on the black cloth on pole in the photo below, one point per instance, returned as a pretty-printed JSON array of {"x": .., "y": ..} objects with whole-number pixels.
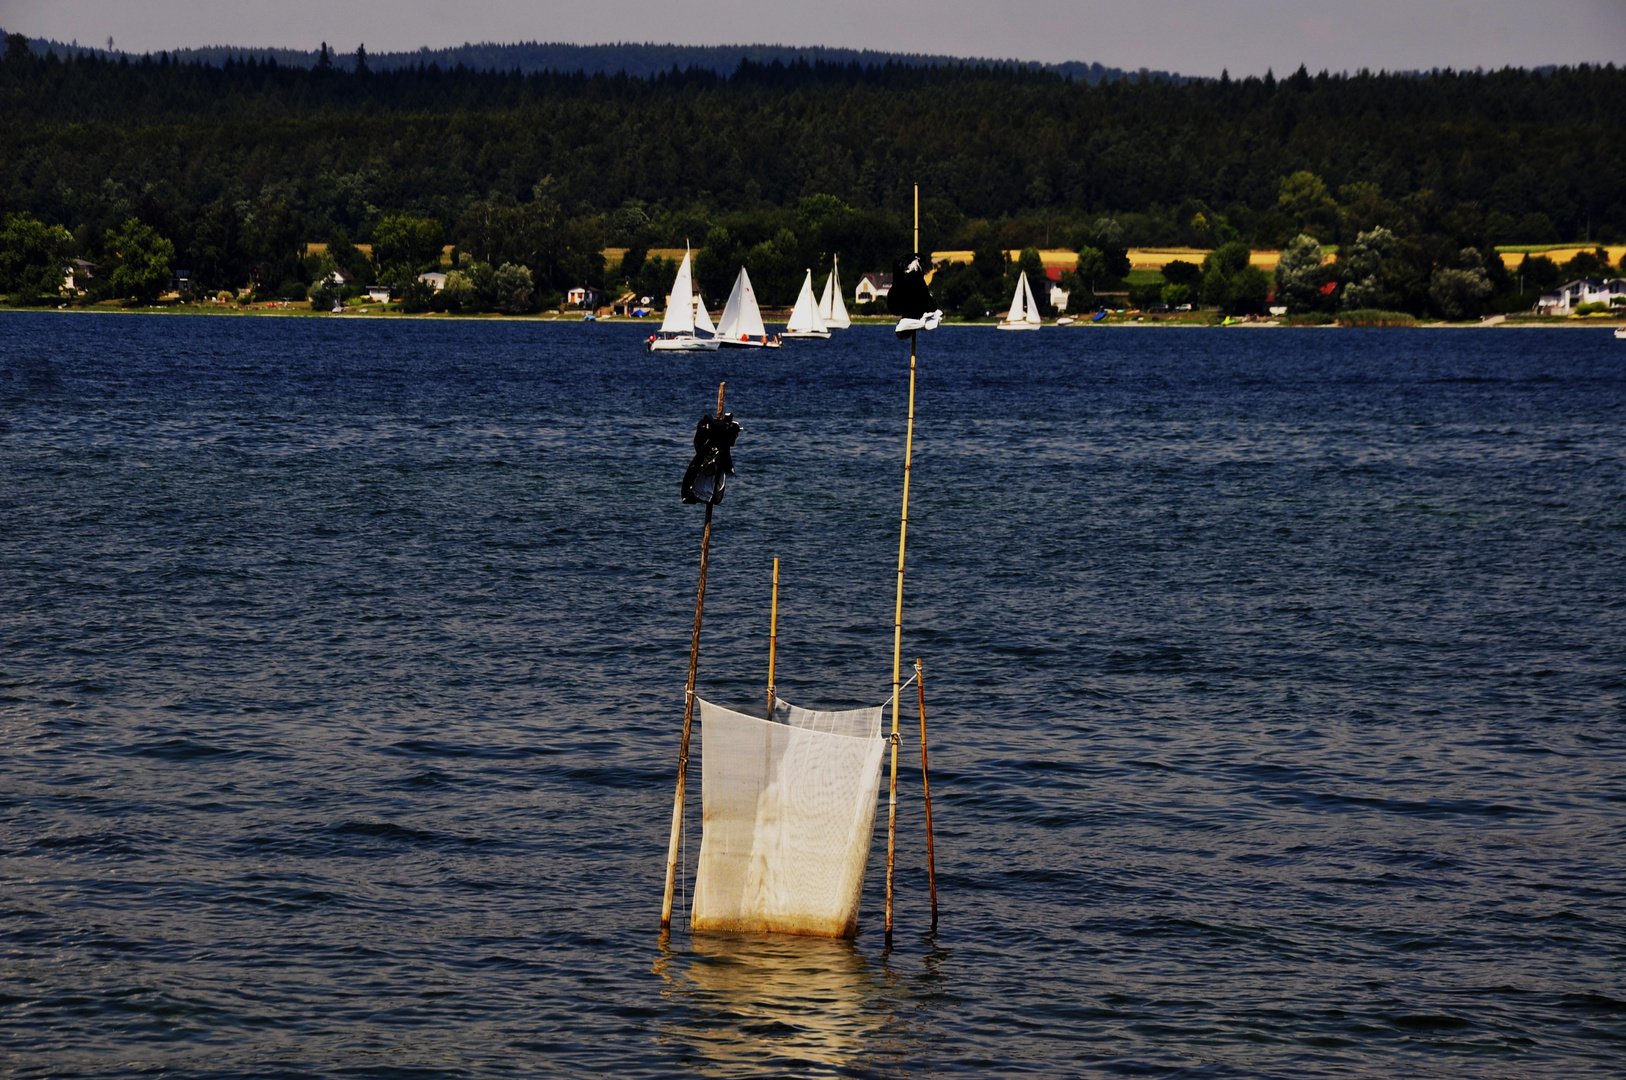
[
  {"x": 910, "y": 298},
  {"x": 713, "y": 460}
]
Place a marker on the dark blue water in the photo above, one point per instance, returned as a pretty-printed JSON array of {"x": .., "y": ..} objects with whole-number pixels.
[{"x": 1277, "y": 682}]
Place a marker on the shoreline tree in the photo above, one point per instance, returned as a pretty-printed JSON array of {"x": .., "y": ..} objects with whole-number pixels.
[
  {"x": 34, "y": 260},
  {"x": 140, "y": 266}
]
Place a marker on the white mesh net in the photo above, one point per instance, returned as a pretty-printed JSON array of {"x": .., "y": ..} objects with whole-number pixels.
[{"x": 789, "y": 813}]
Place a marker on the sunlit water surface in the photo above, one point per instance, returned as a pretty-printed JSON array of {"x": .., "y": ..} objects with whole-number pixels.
[{"x": 1277, "y": 684}]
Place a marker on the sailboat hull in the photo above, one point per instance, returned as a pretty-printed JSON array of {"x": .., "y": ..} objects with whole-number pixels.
[
  {"x": 682, "y": 344},
  {"x": 726, "y": 343},
  {"x": 1019, "y": 326},
  {"x": 821, "y": 334}
]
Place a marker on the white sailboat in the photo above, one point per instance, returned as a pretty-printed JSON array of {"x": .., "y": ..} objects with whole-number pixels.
[
  {"x": 677, "y": 329},
  {"x": 1024, "y": 313},
  {"x": 805, "y": 321},
  {"x": 740, "y": 326},
  {"x": 832, "y": 309}
]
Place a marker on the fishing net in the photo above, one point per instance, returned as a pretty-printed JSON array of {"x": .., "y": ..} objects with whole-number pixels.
[{"x": 789, "y": 814}]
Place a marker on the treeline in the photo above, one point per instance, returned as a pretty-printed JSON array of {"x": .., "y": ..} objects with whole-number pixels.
[
  {"x": 238, "y": 166},
  {"x": 640, "y": 60},
  {"x": 1421, "y": 267}
]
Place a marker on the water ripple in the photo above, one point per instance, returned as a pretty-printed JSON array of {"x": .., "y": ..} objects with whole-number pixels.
[{"x": 1275, "y": 683}]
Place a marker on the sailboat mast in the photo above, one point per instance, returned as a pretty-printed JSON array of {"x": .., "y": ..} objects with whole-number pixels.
[
  {"x": 897, "y": 617},
  {"x": 688, "y": 708}
]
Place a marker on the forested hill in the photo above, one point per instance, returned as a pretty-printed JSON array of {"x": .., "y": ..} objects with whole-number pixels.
[
  {"x": 639, "y": 60},
  {"x": 992, "y": 140},
  {"x": 797, "y": 160}
]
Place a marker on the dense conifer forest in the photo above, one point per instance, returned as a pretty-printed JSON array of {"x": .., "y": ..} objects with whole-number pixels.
[{"x": 238, "y": 166}]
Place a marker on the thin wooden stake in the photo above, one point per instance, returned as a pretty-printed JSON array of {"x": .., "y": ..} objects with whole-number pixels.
[
  {"x": 773, "y": 635},
  {"x": 897, "y": 619},
  {"x": 688, "y": 711},
  {"x": 926, "y": 789}
]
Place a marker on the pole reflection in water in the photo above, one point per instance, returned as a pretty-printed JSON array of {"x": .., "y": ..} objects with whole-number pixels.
[{"x": 751, "y": 1000}]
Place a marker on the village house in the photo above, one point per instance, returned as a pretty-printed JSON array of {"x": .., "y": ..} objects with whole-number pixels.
[
  {"x": 338, "y": 278},
  {"x": 1058, "y": 295},
  {"x": 872, "y": 287},
  {"x": 582, "y": 296},
  {"x": 379, "y": 293},
  {"x": 630, "y": 303},
  {"x": 434, "y": 279},
  {"x": 1573, "y": 294},
  {"x": 76, "y": 276}
]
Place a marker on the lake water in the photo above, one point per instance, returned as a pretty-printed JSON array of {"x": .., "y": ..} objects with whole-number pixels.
[{"x": 1277, "y": 683}]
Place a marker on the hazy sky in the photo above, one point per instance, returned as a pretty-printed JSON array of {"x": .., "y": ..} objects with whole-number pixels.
[{"x": 1197, "y": 37}]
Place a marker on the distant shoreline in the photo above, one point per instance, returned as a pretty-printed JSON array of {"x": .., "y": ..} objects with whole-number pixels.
[{"x": 1145, "y": 322}]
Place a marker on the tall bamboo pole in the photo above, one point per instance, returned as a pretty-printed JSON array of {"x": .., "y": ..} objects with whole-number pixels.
[
  {"x": 926, "y": 790},
  {"x": 897, "y": 618},
  {"x": 688, "y": 710},
  {"x": 773, "y": 635}
]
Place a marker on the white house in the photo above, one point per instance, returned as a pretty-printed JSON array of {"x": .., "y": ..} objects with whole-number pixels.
[
  {"x": 1059, "y": 296},
  {"x": 582, "y": 296},
  {"x": 434, "y": 279},
  {"x": 1582, "y": 291},
  {"x": 872, "y": 287},
  {"x": 338, "y": 278},
  {"x": 76, "y": 276},
  {"x": 379, "y": 293}
]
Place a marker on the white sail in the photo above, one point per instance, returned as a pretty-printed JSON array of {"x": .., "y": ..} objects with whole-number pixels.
[
  {"x": 680, "y": 305},
  {"x": 742, "y": 318},
  {"x": 728, "y": 323},
  {"x": 804, "y": 317},
  {"x": 750, "y": 313},
  {"x": 1017, "y": 314},
  {"x": 832, "y": 308},
  {"x": 702, "y": 317},
  {"x": 1024, "y": 313}
]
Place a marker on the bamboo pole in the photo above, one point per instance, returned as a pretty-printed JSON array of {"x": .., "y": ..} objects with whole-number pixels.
[
  {"x": 773, "y": 635},
  {"x": 688, "y": 711},
  {"x": 897, "y": 619},
  {"x": 926, "y": 789}
]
